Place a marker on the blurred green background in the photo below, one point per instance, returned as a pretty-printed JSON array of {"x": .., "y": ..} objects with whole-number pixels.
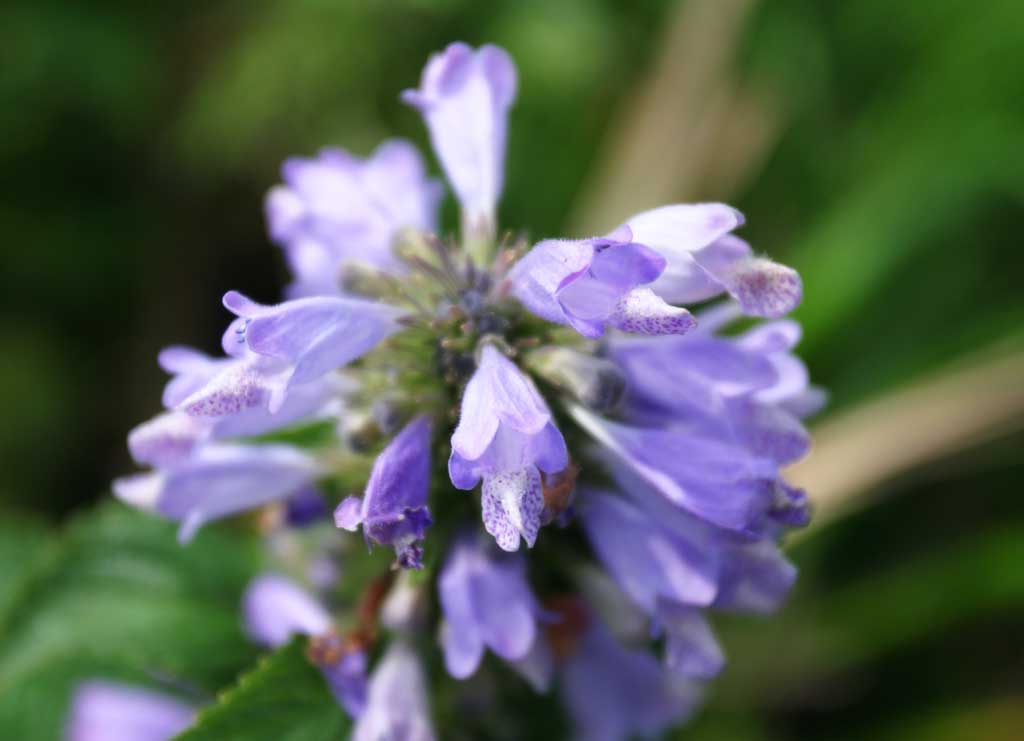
[{"x": 877, "y": 147}]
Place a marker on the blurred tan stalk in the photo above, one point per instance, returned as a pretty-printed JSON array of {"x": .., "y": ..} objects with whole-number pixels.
[
  {"x": 856, "y": 451},
  {"x": 691, "y": 131}
]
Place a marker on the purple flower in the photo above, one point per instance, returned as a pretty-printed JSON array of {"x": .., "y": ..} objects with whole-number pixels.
[
  {"x": 464, "y": 97},
  {"x": 336, "y": 208},
  {"x": 487, "y": 603},
  {"x": 396, "y": 707},
  {"x": 671, "y": 557},
  {"x": 190, "y": 370},
  {"x": 171, "y": 437},
  {"x": 690, "y": 647},
  {"x": 107, "y": 711},
  {"x": 613, "y": 693},
  {"x": 668, "y": 563},
  {"x": 218, "y": 481},
  {"x": 275, "y": 609},
  {"x": 748, "y": 575},
  {"x": 505, "y": 434},
  {"x": 393, "y": 510},
  {"x": 202, "y": 386},
  {"x": 312, "y": 336},
  {"x": 748, "y": 392},
  {"x": 306, "y": 507},
  {"x": 593, "y": 283},
  {"x": 167, "y": 439},
  {"x": 755, "y": 577},
  {"x": 716, "y": 481},
  {"x": 705, "y": 260}
]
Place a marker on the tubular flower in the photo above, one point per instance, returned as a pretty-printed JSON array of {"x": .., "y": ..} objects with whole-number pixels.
[
  {"x": 603, "y": 422},
  {"x": 394, "y": 510},
  {"x": 506, "y": 436},
  {"x": 487, "y": 602},
  {"x": 335, "y": 209},
  {"x": 106, "y": 711},
  {"x": 275, "y": 609}
]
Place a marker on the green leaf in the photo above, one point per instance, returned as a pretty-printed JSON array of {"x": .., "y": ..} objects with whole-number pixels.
[
  {"x": 22, "y": 539},
  {"x": 35, "y": 707},
  {"x": 285, "y": 698},
  {"x": 825, "y": 632},
  {"x": 119, "y": 594}
]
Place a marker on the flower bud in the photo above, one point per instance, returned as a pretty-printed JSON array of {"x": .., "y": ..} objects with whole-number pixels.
[{"x": 595, "y": 382}]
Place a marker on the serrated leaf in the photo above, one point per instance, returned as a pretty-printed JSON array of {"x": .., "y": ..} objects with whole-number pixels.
[
  {"x": 22, "y": 539},
  {"x": 284, "y": 698},
  {"x": 35, "y": 708},
  {"x": 118, "y": 589}
]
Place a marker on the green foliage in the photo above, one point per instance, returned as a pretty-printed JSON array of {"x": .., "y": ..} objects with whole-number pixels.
[
  {"x": 118, "y": 597},
  {"x": 137, "y": 143},
  {"x": 284, "y": 698}
]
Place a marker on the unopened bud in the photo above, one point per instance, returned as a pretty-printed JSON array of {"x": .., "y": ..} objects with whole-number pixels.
[
  {"x": 595, "y": 382},
  {"x": 364, "y": 280}
]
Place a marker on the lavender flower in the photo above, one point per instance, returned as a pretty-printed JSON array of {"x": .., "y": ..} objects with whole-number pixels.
[
  {"x": 275, "y": 609},
  {"x": 217, "y": 481},
  {"x": 693, "y": 423},
  {"x": 336, "y": 208},
  {"x": 312, "y": 335},
  {"x": 652, "y": 559},
  {"x": 593, "y": 283},
  {"x": 394, "y": 510},
  {"x": 107, "y": 711},
  {"x": 506, "y": 436},
  {"x": 464, "y": 97},
  {"x": 396, "y": 706},
  {"x": 704, "y": 260},
  {"x": 487, "y": 603},
  {"x": 613, "y": 693},
  {"x": 171, "y": 437},
  {"x": 718, "y": 482}
]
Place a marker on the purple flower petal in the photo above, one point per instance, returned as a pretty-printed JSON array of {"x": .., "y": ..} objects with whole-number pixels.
[
  {"x": 505, "y": 428},
  {"x": 676, "y": 232},
  {"x": 166, "y": 439},
  {"x": 756, "y": 578},
  {"x": 512, "y": 505},
  {"x": 337, "y": 208},
  {"x": 718, "y": 482},
  {"x": 497, "y": 395},
  {"x": 346, "y": 679},
  {"x": 591, "y": 283},
  {"x": 396, "y": 703},
  {"x": 690, "y": 647},
  {"x": 464, "y": 97},
  {"x": 648, "y": 559},
  {"x": 221, "y": 480},
  {"x": 275, "y": 609},
  {"x": 641, "y": 311},
  {"x": 242, "y": 384},
  {"x": 311, "y": 401},
  {"x": 191, "y": 370},
  {"x": 486, "y": 602},
  {"x": 394, "y": 510},
  {"x": 537, "y": 276},
  {"x": 107, "y": 711},
  {"x": 613, "y": 693},
  {"x": 762, "y": 287},
  {"x": 316, "y": 335}
]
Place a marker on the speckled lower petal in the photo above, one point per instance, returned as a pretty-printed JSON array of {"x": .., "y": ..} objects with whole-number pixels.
[
  {"x": 641, "y": 311},
  {"x": 512, "y": 502}
]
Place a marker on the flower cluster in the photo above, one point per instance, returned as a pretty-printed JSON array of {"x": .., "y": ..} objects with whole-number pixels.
[{"x": 564, "y": 381}]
